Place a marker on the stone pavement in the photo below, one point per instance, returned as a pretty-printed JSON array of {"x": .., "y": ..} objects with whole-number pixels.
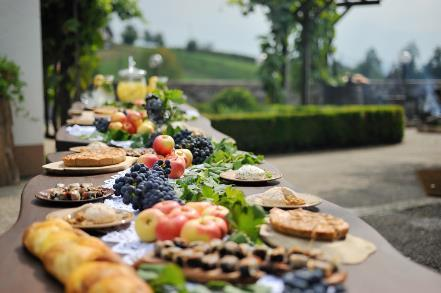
[
  {"x": 377, "y": 183},
  {"x": 380, "y": 185}
]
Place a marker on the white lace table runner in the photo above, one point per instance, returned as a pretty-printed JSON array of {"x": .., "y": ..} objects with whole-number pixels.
[
  {"x": 78, "y": 130},
  {"x": 126, "y": 242}
]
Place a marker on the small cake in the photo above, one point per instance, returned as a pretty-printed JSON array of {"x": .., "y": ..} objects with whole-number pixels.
[
  {"x": 250, "y": 172},
  {"x": 99, "y": 213}
]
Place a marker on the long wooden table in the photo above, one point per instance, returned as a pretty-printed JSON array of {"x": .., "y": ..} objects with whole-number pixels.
[{"x": 384, "y": 271}]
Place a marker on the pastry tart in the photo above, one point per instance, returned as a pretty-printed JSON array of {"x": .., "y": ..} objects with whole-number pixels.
[
  {"x": 305, "y": 224},
  {"x": 95, "y": 158}
]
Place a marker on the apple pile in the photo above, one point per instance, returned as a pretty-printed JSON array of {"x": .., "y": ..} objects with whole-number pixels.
[
  {"x": 194, "y": 221},
  {"x": 164, "y": 147},
  {"x": 132, "y": 122}
]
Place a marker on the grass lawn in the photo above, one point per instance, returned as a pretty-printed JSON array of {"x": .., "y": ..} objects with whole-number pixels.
[{"x": 181, "y": 64}]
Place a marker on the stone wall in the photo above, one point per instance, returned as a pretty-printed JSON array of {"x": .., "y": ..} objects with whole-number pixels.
[
  {"x": 202, "y": 91},
  {"x": 412, "y": 94}
]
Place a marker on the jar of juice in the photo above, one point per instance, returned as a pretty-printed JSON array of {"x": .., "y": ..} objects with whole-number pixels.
[{"x": 132, "y": 84}]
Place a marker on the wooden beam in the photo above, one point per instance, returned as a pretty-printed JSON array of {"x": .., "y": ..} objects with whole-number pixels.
[{"x": 349, "y": 3}]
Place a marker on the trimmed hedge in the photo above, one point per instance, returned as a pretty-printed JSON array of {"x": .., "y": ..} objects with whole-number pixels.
[{"x": 288, "y": 128}]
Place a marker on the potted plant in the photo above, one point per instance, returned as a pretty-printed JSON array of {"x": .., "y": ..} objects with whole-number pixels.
[{"x": 10, "y": 93}]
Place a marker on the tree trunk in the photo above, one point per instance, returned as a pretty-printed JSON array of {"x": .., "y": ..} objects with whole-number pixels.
[
  {"x": 284, "y": 69},
  {"x": 8, "y": 168},
  {"x": 306, "y": 52},
  {"x": 306, "y": 63}
]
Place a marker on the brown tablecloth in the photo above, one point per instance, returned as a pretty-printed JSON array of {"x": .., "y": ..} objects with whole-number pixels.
[{"x": 385, "y": 271}]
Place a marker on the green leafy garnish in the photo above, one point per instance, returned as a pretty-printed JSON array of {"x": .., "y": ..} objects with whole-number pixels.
[{"x": 161, "y": 276}]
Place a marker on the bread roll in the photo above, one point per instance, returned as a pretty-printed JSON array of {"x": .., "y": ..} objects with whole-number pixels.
[
  {"x": 105, "y": 277},
  {"x": 81, "y": 262}
]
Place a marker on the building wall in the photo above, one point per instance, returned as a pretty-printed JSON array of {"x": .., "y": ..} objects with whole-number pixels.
[{"x": 20, "y": 41}]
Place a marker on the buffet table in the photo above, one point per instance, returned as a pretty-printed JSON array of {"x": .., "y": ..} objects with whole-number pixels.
[{"x": 384, "y": 271}]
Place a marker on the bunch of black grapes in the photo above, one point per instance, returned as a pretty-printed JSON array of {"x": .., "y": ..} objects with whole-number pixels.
[
  {"x": 156, "y": 109},
  {"x": 101, "y": 124},
  {"x": 144, "y": 187},
  {"x": 181, "y": 135},
  {"x": 305, "y": 280},
  {"x": 200, "y": 146}
]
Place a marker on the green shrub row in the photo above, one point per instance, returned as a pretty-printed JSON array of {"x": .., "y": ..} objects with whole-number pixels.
[
  {"x": 288, "y": 128},
  {"x": 231, "y": 100}
]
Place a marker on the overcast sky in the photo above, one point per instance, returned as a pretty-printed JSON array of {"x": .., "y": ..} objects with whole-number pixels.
[{"x": 387, "y": 27}]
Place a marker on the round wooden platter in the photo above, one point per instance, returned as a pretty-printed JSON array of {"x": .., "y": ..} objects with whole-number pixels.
[
  {"x": 61, "y": 169},
  {"x": 123, "y": 217},
  {"x": 44, "y": 196},
  {"x": 79, "y": 121},
  {"x": 230, "y": 175},
  {"x": 199, "y": 275},
  {"x": 260, "y": 200}
]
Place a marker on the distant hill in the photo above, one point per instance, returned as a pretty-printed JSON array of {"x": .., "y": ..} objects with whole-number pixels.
[{"x": 180, "y": 63}]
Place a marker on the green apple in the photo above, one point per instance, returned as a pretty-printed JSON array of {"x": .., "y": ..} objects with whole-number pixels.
[
  {"x": 146, "y": 127},
  {"x": 146, "y": 223}
]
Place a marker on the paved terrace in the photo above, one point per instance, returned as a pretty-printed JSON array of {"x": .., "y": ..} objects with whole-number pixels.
[
  {"x": 380, "y": 185},
  {"x": 377, "y": 183}
]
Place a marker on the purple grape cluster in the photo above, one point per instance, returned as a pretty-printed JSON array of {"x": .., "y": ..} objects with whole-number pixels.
[
  {"x": 143, "y": 187},
  {"x": 155, "y": 109}
]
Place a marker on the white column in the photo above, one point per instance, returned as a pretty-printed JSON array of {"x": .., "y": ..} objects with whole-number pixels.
[{"x": 20, "y": 41}]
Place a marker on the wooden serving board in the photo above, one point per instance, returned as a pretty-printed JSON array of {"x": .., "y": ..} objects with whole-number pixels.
[
  {"x": 199, "y": 275},
  {"x": 61, "y": 169},
  {"x": 122, "y": 217},
  {"x": 261, "y": 200}
]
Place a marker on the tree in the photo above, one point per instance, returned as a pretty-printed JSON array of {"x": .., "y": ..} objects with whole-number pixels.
[
  {"x": 312, "y": 23},
  {"x": 192, "y": 45},
  {"x": 157, "y": 40},
  {"x": 72, "y": 34},
  {"x": 433, "y": 67},
  {"x": 147, "y": 36},
  {"x": 411, "y": 69},
  {"x": 129, "y": 35},
  {"x": 371, "y": 66}
]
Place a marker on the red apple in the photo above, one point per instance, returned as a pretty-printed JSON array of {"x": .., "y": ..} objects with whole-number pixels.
[
  {"x": 139, "y": 102},
  {"x": 217, "y": 211},
  {"x": 170, "y": 227},
  {"x": 177, "y": 168},
  {"x": 163, "y": 144},
  {"x": 200, "y": 206},
  {"x": 129, "y": 127},
  {"x": 200, "y": 229},
  {"x": 146, "y": 223},
  {"x": 166, "y": 206},
  {"x": 118, "y": 117},
  {"x": 189, "y": 212},
  {"x": 186, "y": 154},
  {"x": 220, "y": 223},
  {"x": 134, "y": 117},
  {"x": 148, "y": 159}
]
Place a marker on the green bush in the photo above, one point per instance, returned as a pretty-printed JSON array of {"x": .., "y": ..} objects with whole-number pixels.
[
  {"x": 288, "y": 128},
  {"x": 233, "y": 100}
]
